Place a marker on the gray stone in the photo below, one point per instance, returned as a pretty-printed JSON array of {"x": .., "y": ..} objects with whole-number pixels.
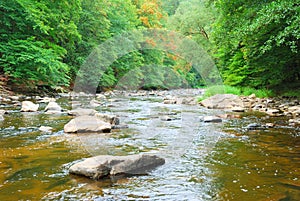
[
  {"x": 238, "y": 109},
  {"x": 86, "y": 124},
  {"x": 294, "y": 122},
  {"x": 109, "y": 118},
  {"x": 46, "y": 129},
  {"x": 46, "y": 100},
  {"x": 171, "y": 101},
  {"x": 2, "y": 112},
  {"x": 28, "y": 106},
  {"x": 222, "y": 101},
  {"x": 15, "y": 98},
  {"x": 122, "y": 126},
  {"x": 274, "y": 112},
  {"x": 82, "y": 112},
  {"x": 212, "y": 119},
  {"x": 166, "y": 118},
  {"x": 255, "y": 126},
  {"x": 98, "y": 167},
  {"x": 52, "y": 108}
]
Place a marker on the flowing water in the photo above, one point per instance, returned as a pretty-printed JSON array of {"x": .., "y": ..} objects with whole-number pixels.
[{"x": 204, "y": 161}]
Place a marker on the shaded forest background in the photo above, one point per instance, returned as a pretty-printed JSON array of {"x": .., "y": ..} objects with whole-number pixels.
[{"x": 254, "y": 43}]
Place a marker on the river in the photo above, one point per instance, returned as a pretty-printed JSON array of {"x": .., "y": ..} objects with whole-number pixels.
[{"x": 204, "y": 161}]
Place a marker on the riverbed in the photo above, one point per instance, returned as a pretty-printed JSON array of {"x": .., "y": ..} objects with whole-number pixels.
[{"x": 204, "y": 161}]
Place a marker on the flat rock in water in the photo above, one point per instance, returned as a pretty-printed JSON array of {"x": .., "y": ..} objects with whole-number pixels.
[
  {"x": 28, "y": 106},
  {"x": 101, "y": 166},
  {"x": 222, "y": 101},
  {"x": 46, "y": 129},
  {"x": 85, "y": 124},
  {"x": 212, "y": 119},
  {"x": 82, "y": 112}
]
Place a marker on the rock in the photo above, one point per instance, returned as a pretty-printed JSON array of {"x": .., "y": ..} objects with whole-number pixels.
[
  {"x": 101, "y": 166},
  {"x": 82, "y": 112},
  {"x": 119, "y": 126},
  {"x": 14, "y": 98},
  {"x": 112, "y": 119},
  {"x": 212, "y": 119},
  {"x": 166, "y": 118},
  {"x": 2, "y": 112},
  {"x": 187, "y": 101},
  {"x": 222, "y": 101},
  {"x": 255, "y": 126},
  {"x": 46, "y": 100},
  {"x": 270, "y": 125},
  {"x": 28, "y": 106},
  {"x": 100, "y": 97},
  {"x": 294, "y": 110},
  {"x": 86, "y": 124},
  {"x": 252, "y": 96},
  {"x": 95, "y": 103},
  {"x": 274, "y": 112},
  {"x": 294, "y": 122},
  {"x": 172, "y": 101},
  {"x": 46, "y": 129},
  {"x": 238, "y": 109},
  {"x": 1, "y": 118},
  {"x": 53, "y": 108}
]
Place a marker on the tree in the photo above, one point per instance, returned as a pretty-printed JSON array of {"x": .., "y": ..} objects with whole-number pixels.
[
  {"x": 35, "y": 37},
  {"x": 257, "y": 43}
]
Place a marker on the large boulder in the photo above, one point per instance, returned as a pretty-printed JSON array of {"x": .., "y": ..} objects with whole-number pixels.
[
  {"x": 53, "y": 108},
  {"x": 28, "y": 106},
  {"x": 223, "y": 101},
  {"x": 84, "y": 124},
  {"x": 101, "y": 166},
  {"x": 82, "y": 112}
]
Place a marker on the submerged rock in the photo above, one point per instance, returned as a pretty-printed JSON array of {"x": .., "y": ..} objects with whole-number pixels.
[
  {"x": 28, "y": 106},
  {"x": 101, "y": 166},
  {"x": 86, "y": 124}
]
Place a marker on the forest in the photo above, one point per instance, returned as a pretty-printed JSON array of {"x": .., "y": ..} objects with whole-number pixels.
[{"x": 254, "y": 44}]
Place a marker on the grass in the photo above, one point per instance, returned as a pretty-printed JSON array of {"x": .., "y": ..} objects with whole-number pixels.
[{"x": 225, "y": 89}]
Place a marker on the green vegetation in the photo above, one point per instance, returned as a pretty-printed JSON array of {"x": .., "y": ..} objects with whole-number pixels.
[
  {"x": 255, "y": 44},
  {"x": 225, "y": 89}
]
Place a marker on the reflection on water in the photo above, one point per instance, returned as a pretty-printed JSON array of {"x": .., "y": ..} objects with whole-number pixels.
[{"x": 202, "y": 162}]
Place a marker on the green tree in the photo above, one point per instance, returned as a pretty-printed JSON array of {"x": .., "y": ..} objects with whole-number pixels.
[
  {"x": 257, "y": 43},
  {"x": 35, "y": 37}
]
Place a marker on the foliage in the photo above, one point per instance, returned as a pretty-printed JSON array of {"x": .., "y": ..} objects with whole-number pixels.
[
  {"x": 226, "y": 89},
  {"x": 257, "y": 42},
  {"x": 35, "y": 37}
]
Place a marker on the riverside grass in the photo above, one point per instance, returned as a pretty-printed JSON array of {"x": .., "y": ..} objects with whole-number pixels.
[{"x": 225, "y": 89}]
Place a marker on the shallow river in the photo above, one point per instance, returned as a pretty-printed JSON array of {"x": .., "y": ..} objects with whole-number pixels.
[{"x": 204, "y": 161}]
